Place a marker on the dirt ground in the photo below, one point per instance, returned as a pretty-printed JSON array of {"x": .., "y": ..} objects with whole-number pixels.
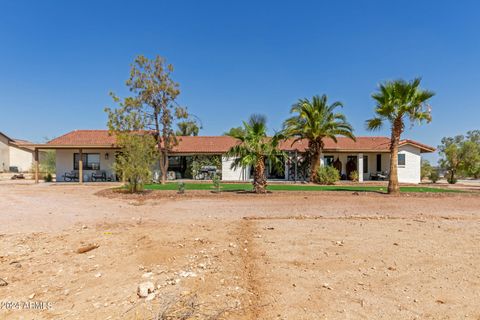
[{"x": 301, "y": 255}]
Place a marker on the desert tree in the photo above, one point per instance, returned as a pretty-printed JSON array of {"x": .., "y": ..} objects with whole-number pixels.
[
  {"x": 234, "y": 131},
  {"x": 460, "y": 155},
  {"x": 138, "y": 148},
  {"x": 254, "y": 148},
  {"x": 315, "y": 120},
  {"x": 155, "y": 93},
  {"x": 398, "y": 101}
]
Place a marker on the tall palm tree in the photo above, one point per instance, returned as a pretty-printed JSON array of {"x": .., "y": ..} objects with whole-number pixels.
[
  {"x": 397, "y": 100},
  {"x": 254, "y": 149},
  {"x": 314, "y": 121}
]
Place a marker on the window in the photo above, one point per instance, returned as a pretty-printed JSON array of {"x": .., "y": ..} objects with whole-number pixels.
[
  {"x": 379, "y": 162},
  {"x": 91, "y": 161},
  {"x": 365, "y": 164},
  {"x": 328, "y": 160},
  {"x": 401, "y": 159}
]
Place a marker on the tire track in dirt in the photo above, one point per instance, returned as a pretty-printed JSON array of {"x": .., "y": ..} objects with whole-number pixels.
[{"x": 251, "y": 276}]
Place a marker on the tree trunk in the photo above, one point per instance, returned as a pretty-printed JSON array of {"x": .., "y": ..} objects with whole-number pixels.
[
  {"x": 393, "y": 187},
  {"x": 164, "y": 165},
  {"x": 316, "y": 152},
  {"x": 159, "y": 146},
  {"x": 259, "y": 181}
]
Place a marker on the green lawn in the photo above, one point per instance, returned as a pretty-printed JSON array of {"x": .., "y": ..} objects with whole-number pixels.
[{"x": 292, "y": 187}]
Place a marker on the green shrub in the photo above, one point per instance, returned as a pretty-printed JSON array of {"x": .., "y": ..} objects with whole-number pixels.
[
  {"x": 451, "y": 179},
  {"x": 181, "y": 187},
  {"x": 327, "y": 175},
  {"x": 354, "y": 176},
  {"x": 434, "y": 176},
  {"x": 216, "y": 183},
  {"x": 48, "y": 177}
]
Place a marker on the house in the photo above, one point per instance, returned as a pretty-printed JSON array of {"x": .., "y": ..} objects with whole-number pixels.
[
  {"x": 90, "y": 151},
  {"x": 15, "y": 155}
]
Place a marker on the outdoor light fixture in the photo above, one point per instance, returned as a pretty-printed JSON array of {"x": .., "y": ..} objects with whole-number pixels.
[{"x": 106, "y": 156}]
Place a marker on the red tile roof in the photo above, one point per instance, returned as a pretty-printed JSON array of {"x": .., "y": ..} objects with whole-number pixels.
[
  {"x": 221, "y": 144},
  {"x": 84, "y": 138}
]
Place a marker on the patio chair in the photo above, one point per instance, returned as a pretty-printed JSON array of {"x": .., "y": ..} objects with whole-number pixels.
[
  {"x": 383, "y": 175},
  {"x": 99, "y": 176},
  {"x": 70, "y": 176}
]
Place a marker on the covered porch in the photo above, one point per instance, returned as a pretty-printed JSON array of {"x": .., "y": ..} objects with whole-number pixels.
[
  {"x": 80, "y": 164},
  {"x": 368, "y": 165}
]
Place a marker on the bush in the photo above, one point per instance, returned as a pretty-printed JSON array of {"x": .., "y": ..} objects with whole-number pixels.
[
  {"x": 327, "y": 175},
  {"x": 216, "y": 184},
  {"x": 48, "y": 177},
  {"x": 181, "y": 187},
  {"x": 434, "y": 176},
  {"x": 451, "y": 179},
  {"x": 354, "y": 176}
]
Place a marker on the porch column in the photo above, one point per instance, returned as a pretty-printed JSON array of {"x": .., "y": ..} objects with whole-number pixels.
[
  {"x": 36, "y": 165},
  {"x": 80, "y": 166},
  {"x": 360, "y": 167}
]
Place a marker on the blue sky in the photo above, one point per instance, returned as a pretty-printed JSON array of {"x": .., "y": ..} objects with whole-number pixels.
[{"x": 60, "y": 59}]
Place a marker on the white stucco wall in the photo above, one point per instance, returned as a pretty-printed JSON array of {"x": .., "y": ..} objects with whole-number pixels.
[
  {"x": 410, "y": 173},
  {"x": 229, "y": 174},
  {"x": 21, "y": 158},
  {"x": 64, "y": 162},
  {"x": 372, "y": 161},
  {"x": 4, "y": 154}
]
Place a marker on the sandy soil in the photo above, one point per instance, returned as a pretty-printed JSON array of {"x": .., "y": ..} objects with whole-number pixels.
[{"x": 305, "y": 255}]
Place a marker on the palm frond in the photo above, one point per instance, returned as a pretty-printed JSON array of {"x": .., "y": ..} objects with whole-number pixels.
[{"x": 374, "y": 124}]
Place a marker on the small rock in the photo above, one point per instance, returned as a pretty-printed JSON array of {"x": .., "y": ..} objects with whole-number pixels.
[
  {"x": 3, "y": 283},
  {"x": 150, "y": 297},
  {"x": 326, "y": 286},
  {"x": 144, "y": 289},
  {"x": 186, "y": 274},
  {"x": 98, "y": 275},
  {"x": 147, "y": 275},
  {"x": 31, "y": 296}
]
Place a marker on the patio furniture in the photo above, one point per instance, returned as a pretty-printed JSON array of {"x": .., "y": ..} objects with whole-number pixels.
[
  {"x": 70, "y": 176},
  {"x": 171, "y": 175},
  {"x": 207, "y": 172},
  {"x": 18, "y": 176},
  {"x": 99, "y": 176},
  {"x": 381, "y": 175},
  {"x": 156, "y": 176}
]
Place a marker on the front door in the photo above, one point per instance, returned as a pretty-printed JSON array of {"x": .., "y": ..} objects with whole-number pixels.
[{"x": 351, "y": 165}]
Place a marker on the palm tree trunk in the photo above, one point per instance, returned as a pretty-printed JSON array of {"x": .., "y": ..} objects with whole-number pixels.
[
  {"x": 316, "y": 152},
  {"x": 393, "y": 187},
  {"x": 259, "y": 181}
]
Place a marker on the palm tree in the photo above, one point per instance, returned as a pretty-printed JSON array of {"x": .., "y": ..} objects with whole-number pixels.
[
  {"x": 315, "y": 121},
  {"x": 254, "y": 149},
  {"x": 395, "y": 101}
]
